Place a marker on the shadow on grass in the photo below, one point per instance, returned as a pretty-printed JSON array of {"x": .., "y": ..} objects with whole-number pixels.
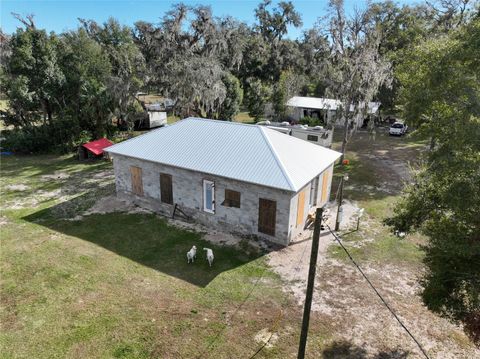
[
  {"x": 148, "y": 240},
  {"x": 346, "y": 350}
]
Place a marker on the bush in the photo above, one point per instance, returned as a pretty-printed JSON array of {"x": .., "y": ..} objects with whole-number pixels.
[
  {"x": 311, "y": 121},
  {"x": 61, "y": 136}
]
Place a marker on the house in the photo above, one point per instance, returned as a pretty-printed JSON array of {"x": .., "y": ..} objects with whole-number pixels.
[
  {"x": 242, "y": 178},
  {"x": 317, "y": 134},
  {"x": 93, "y": 149},
  {"x": 326, "y": 109}
]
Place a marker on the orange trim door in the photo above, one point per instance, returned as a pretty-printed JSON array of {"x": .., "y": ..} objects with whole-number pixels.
[
  {"x": 300, "y": 207},
  {"x": 325, "y": 186}
]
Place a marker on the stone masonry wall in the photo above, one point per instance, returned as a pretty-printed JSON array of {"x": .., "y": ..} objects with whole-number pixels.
[
  {"x": 294, "y": 229},
  {"x": 188, "y": 194}
]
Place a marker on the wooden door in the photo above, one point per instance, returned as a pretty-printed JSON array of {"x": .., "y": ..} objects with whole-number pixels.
[
  {"x": 325, "y": 186},
  {"x": 166, "y": 192},
  {"x": 267, "y": 216},
  {"x": 137, "y": 185},
  {"x": 300, "y": 208}
]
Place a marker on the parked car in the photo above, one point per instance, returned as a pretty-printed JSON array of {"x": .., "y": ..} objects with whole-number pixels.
[{"x": 398, "y": 129}]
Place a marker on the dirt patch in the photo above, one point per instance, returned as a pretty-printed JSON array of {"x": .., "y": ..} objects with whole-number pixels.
[
  {"x": 267, "y": 338},
  {"x": 57, "y": 175},
  {"x": 17, "y": 187},
  {"x": 343, "y": 299},
  {"x": 110, "y": 204},
  {"x": 3, "y": 221}
]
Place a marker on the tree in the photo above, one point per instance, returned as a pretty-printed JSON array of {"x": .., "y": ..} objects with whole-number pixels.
[
  {"x": 355, "y": 67},
  {"x": 273, "y": 25},
  {"x": 87, "y": 97},
  {"x": 288, "y": 85},
  {"x": 441, "y": 94},
  {"x": 257, "y": 96},
  {"x": 31, "y": 77},
  {"x": 185, "y": 62},
  {"x": 233, "y": 98},
  {"x": 127, "y": 66},
  {"x": 401, "y": 29}
]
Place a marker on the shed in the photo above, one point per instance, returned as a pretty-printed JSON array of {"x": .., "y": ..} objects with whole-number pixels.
[
  {"x": 243, "y": 178},
  {"x": 93, "y": 149}
]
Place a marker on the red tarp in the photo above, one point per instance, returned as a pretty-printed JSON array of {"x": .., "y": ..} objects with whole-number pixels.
[{"x": 97, "y": 146}]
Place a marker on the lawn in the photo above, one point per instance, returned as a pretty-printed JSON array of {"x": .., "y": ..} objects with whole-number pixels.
[{"x": 118, "y": 284}]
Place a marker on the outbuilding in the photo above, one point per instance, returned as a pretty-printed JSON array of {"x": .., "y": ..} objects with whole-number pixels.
[
  {"x": 326, "y": 109},
  {"x": 242, "y": 178},
  {"x": 93, "y": 149}
]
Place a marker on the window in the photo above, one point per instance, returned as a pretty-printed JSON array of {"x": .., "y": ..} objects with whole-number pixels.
[
  {"x": 312, "y": 138},
  {"x": 209, "y": 196},
  {"x": 314, "y": 192},
  {"x": 166, "y": 193},
  {"x": 232, "y": 198}
]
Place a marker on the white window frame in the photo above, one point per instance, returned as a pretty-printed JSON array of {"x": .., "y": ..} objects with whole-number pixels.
[{"x": 212, "y": 184}]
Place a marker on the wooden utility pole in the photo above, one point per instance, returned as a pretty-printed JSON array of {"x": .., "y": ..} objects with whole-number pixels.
[{"x": 311, "y": 282}]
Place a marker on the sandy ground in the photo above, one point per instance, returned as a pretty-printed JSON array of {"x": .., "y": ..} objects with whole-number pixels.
[{"x": 343, "y": 298}]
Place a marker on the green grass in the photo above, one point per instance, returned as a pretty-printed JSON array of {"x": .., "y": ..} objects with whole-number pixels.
[
  {"x": 172, "y": 118},
  {"x": 244, "y": 117},
  {"x": 374, "y": 242},
  {"x": 118, "y": 284}
]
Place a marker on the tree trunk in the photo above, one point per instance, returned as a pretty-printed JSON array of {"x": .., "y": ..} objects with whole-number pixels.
[
  {"x": 345, "y": 139},
  {"x": 345, "y": 132},
  {"x": 432, "y": 143}
]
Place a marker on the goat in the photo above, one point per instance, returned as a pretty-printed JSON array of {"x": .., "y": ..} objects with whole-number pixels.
[
  {"x": 209, "y": 255},
  {"x": 192, "y": 254}
]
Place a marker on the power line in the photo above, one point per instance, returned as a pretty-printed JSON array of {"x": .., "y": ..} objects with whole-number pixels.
[
  {"x": 208, "y": 348},
  {"x": 377, "y": 293},
  {"x": 280, "y": 316}
]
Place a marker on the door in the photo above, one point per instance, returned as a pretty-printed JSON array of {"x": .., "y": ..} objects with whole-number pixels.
[
  {"x": 209, "y": 196},
  {"x": 300, "y": 208},
  {"x": 166, "y": 192},
  {"x": 137, "y": 185},
  {"x": 267, "y": 216},
  {"x": 325, "y": 186},
  {"x": 313, "y": 192}
]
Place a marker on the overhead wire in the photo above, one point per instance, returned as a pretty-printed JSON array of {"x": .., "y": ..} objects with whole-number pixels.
[
  {"x": 337, "y": 238},
  {"x": 280, "y": 317}
]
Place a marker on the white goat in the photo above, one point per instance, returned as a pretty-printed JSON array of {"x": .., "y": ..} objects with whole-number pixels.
[
  {"x": 209, "y": 255},
  {"x": 192, "y": 254}
]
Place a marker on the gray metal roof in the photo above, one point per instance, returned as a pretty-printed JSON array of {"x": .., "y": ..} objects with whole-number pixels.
[{"x": 248, "y": 153}]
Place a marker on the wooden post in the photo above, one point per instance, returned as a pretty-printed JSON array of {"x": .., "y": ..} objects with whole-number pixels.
[{"x": 311, "y": 282}]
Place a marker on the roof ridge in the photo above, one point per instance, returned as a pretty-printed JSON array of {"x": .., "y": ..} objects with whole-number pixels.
[
  {"x": 221, "y": 121},
  {"x": 275, "y": 155}
]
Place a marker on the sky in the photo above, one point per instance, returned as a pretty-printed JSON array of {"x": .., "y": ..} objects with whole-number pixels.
[{"x": 61, "y": 15}]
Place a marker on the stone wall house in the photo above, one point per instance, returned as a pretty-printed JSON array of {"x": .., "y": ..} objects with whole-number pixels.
[{"x": 242, "y": 178}]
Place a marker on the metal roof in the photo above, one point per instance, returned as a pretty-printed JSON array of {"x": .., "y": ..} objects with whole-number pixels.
[
  {"x": 325, "y": 103},
  {"x": 98, "y": 146},
  {"x": 248, "y": 153}
]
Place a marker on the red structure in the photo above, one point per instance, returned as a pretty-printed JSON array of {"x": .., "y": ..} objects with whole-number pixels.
[{"x": 93, "y": 149}]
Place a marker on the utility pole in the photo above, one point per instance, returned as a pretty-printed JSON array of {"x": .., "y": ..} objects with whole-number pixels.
[
  {"x": 311, "y": 282},
  {"x": 340, "y": 200}
]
